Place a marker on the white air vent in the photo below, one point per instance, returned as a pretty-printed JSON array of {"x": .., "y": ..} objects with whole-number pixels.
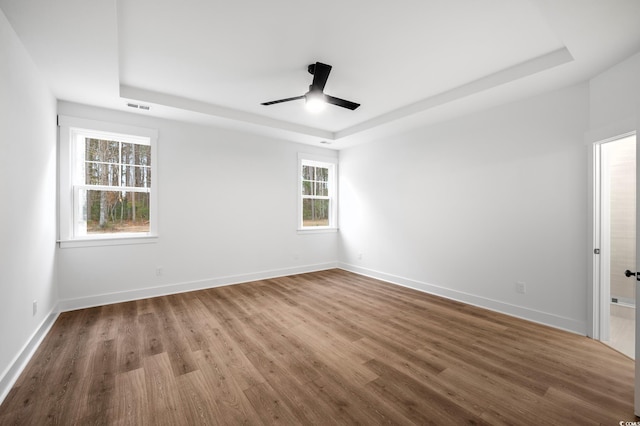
[{"x": 144, "y": 107}]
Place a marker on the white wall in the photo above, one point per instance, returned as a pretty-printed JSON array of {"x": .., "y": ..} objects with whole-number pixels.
[
  {"x": 614, "y": 98},
  {"x": 227, "y": 213},
  {"x": 614, "y": 110},
  {"x": 469, "y": 207},
  {"x": 27, "y": 204}
]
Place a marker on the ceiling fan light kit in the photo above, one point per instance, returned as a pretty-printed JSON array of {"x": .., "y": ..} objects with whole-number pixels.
[
  {"x": 315, "y": 101},
  {"x": 315, "y": 98}
]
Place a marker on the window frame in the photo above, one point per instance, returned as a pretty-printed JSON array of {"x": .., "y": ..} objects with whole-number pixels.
[
  {"x": 70, "y": 130},
  {"x": 331, "y": 164}
]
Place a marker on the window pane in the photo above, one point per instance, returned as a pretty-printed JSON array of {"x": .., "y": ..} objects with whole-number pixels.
[
  {"x": 136, "y": 154},
  {"x": 144, "y": 155},
  {"x": 307, "y": 187},
  {"x": 145, "y": 177},
  {"x": 315, "y": 212},
  {"x": 116, "y": 211},
  {"x": 307, "y": 172},
  {"x": 128, "y": 153},
  {"x": 102, "y": 150},
  {"x": 322, "y": 189},
  {"x": 102, "y": 174},
  {"x": 136, "y": 176},
  {"x": 322, "y": 174}
]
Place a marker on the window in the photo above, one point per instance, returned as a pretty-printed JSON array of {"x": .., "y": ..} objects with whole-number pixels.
[
  {"x": 317, "y": 193},
  {"x": 107, "y": 182}
]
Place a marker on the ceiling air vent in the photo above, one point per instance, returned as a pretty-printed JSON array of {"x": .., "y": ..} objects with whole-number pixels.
[{"x": 144, "y": 107}]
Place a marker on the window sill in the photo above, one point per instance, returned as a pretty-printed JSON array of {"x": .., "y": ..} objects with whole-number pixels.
[
  {"x": 120, "y": 240},
  {"x": 317, "y": 230}
]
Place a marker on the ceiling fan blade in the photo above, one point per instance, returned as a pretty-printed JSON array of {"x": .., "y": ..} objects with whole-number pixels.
[
  {"x": 283, "y": 100},
  {"x": 341, "y": 102},
  {"x": 320, "y": 75}
]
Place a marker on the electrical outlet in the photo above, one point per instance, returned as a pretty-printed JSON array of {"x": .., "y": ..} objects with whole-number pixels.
[
  {"x": 35, "y": 307},
  {"x": 521, "y": 287},
  {"x": 359, "y": 256},
  {"x": 159, "y": 271}
]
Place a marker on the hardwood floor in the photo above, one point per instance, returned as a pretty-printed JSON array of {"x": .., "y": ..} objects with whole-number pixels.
[{"x": 322, "y": 348}]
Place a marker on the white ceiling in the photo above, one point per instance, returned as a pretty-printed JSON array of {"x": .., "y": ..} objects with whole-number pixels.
[{"x": 408, "y": 62}]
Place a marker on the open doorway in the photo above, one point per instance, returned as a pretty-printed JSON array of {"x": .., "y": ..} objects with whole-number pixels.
[{"x": 616, "y": 183}]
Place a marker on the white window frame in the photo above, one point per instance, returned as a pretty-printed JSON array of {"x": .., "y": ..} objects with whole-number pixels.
[
  {"x": 332, "y": 164},
  {"x": 72, "y": 130}
]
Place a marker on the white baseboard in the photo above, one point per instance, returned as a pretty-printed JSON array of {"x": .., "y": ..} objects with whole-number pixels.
[
  {"x": 126, "y": 296},
  {"x": 13, "y": 371},
  {"x": 556, "y": 321}
]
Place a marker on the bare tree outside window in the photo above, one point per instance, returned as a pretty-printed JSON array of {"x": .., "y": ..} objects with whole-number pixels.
[
  {"x": 316, "y": 197},
  {"x": 117, "y": 170}
]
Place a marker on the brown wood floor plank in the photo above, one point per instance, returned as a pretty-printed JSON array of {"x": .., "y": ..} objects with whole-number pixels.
[
  {"x": 354, "y": 406},
  {"x": 269, "y": 406},
  {"x": 109, "y": 321},
  {"x": 130, "y": 398},
  {"x": 307, "y": 408},
  {"x": 340, "y": 356},
  {"x": 128, "y": 339},
  {"x": 300, "y": 363},
  {"x": 221, "y": 348},
  {"x": 152, "y": 343},
  {"x": 417, "y": 400},
  {"x": 509, "y": 403},
  {"x": 189, "y": 322},
  {"x": 224, "y": 350},
  {"x": 102, "y": 381},
  {"x": 176, "y": 343},
  {"x": 328, "y": 347},
  {"x": 231, "y": 402},
  {"x": 163, "y": 405},
  {"x": 198, "y": 399}
]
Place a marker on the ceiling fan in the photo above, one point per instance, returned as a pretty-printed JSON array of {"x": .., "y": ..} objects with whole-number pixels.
[{"x": 315, "y": 98}]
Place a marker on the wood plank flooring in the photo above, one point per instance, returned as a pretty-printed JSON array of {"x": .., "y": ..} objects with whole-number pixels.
[{"x": 322, "y": 348}]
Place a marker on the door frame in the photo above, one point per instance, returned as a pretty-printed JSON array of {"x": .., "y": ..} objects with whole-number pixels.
[
  {"x": 600, "y": 317},
  {"x": 628, "y": 126},
  {"x": 601, "y": 261}
]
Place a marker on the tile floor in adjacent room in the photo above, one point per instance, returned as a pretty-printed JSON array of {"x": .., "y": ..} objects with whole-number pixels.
[{"x": 622, "y": 334}]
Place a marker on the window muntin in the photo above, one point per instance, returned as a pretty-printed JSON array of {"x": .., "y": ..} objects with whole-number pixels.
[{"x": 317, "y": 201}]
